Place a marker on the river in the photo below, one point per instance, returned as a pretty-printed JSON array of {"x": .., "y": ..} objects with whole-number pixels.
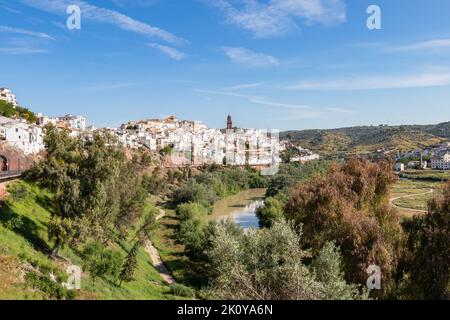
[{"x": 241, "y": 208}]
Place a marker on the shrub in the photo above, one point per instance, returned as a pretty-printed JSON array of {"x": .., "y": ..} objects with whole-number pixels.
[
  {"x": 350, "y": 206},
  {"x": 426, "y": 262},
  {"x": 270, "y": 212},
  {"x": 181, "y": 291},
  {"x": 191, "y": 235},
  {"x": 17, "y": 192},
  {"x": 46, "y": 285},
  {"x": 15, "y": 223},
  {"x": 269, "y": 264},
  {"x": 192, "y": 191},
  {"x": 101, "y": 262},
  {"x": 186, "y": 211}
]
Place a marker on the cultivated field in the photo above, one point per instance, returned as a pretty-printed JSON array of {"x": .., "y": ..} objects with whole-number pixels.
[{"x": 411, "y": 196}]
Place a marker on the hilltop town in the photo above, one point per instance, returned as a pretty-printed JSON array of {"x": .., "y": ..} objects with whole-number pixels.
[
  {"x": 192, "y": 143},
  {"x": 188, "y": 143}
]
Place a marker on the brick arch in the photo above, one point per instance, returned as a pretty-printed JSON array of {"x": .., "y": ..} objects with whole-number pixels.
[{"x": 4, "y": 164}]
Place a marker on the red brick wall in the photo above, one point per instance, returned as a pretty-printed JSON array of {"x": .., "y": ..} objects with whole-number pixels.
[{"x": 17, "y": 160}]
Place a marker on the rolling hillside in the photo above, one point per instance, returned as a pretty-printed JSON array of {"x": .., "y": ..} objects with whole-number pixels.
[
  {"x": 367, "y": 139},
  {"x": 28, "y": 272}
]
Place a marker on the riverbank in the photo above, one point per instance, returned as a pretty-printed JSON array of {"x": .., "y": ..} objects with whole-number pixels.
[
  {"x": 164, "y": 238},
  {"x": 240, "y": 208}
]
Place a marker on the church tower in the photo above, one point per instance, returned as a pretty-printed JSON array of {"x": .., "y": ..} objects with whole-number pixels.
[{"x": 229, "y": 122}]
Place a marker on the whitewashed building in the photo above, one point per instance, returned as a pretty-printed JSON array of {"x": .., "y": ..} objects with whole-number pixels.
[
  {"x": 441, "y": 162},
  {"x": 8, "y": 96},
  {"x": 399, "y": 166},
  {"x": 68, "y": 121},
  {"x": 195, "y": 144},
  {"x": 26, "y": 137}
]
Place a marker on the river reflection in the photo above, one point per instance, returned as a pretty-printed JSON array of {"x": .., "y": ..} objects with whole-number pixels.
[{"x": 241, "y": 208}]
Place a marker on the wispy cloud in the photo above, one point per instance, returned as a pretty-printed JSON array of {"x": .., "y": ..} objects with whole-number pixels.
[
  {"x": 270, "y": 103},
  {"x": 107, "y": 87},
  {"x": 135, "y": 3},
  {"x": 168, "y": 51},
  {"x": 243, "y": 86},
  {"x": 431, "y": 45},
  {"x": 22, "y": 41},
  {"x": 420, "y": 80},
  {"x": 21, "y": 50},
  {"x": 249, "y": 58},
  {"x": 7, "y": 7},
  {"x": 103, "y": 15},
  {"x": 42, "y": 35},
  {"x": 278, "y": 17}
]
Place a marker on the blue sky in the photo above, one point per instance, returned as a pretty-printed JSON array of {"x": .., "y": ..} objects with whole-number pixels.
[{"x": 275, "y": 64}]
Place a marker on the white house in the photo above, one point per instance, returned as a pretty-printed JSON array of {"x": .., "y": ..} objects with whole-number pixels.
[
  {"x": 69, "y": 121},
  {"x": 441, "y": 162},
  {"x": 26, "y": 137},
  {"x": 399, "y": 167},
  {"x": 74, "y": 122},
  {"x": 6, "y": 95}
]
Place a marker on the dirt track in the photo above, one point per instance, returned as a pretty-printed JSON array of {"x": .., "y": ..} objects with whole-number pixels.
[{"x": 156, "y": 258}]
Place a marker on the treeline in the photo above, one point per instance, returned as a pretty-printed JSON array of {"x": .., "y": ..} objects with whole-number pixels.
[
  {"x": 349, "y": 206},
  {"x": 98, "y": 200},
  {"x": 279, "y": 186},
  {"x": 324, "y": 225},
  {"x": 193, "y": 201},
  {"x": 8, "y": 110},
  {"x": 259, "y": 264}
]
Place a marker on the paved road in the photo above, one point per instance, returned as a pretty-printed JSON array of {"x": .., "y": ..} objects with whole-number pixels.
[{"x": 156, "y": 258}]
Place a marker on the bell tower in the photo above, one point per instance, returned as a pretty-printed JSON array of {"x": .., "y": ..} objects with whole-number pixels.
[{"x": 229, "y": 122}]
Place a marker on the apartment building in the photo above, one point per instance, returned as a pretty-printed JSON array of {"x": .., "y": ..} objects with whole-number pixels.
[{"x": 441, "y": 162}]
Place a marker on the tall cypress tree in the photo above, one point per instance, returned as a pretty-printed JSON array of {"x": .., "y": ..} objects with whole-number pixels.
[{"x": 130, "y": 264}]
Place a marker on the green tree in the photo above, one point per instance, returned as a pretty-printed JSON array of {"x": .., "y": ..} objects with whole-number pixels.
[
  {"x": 328, "y": 269},
  {"x": 271, "y": 211},
  {"x": 96, "y": 189},
  {"x": 268, "y": 264},
  {"x": 130, "y": 264},
  {"x": 100, "y": 261},
  {"x": 427, "y": 258}
]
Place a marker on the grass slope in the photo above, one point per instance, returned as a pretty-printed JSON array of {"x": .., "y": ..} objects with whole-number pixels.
[{"x": 24, "y": 247}]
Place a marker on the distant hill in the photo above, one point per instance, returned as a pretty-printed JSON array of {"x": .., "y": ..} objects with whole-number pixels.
[{"x": 368, "y": 139}]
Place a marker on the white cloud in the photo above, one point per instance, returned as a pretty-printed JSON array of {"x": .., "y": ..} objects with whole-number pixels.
[
  {"x": 24, "y": 41},
  {"x": 42, "y": 35},
  {"x": 431, "y": 45},
  {"x": 21, "y": 50},
  {"x": 135, "y": 3},
  {"x": 168, "y": 51},
  {"x": 249, "y": 58},
  {"x": 277, "y": 17},
  {"x": 421, "y": 80},
  {"x": 103, "y": 15},
  {"x": 244, "y": 86},
  {"x": 113, "y": 86},
  {"x": 270, "y": 103}
]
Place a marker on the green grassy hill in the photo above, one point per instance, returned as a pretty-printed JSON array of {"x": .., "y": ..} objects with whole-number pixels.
[
  {"x": 26, "y": 271},
  {"x": 367, "y": 139}
]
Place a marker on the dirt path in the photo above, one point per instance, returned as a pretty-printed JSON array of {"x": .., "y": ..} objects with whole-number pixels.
[
  {"x": 410, "y": 196},
  {"x": 156, "y": 258}
]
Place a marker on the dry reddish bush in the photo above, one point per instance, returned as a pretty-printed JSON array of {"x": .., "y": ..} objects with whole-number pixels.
[{"x": 350, "y": 205}]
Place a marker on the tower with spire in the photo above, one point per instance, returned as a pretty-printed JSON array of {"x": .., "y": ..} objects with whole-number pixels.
[{"x": 229, "y": 122}]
